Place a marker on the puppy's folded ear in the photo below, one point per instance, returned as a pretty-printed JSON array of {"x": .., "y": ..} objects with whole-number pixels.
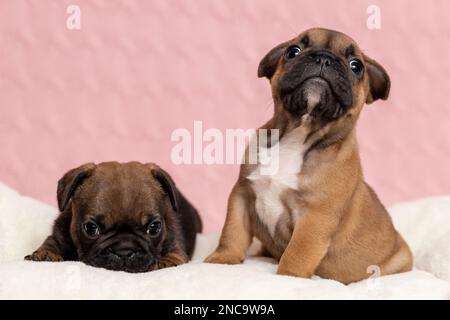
[
  {"x": 379, "y": 81},
  {"x": 69, "y": 183},
  {"x": 167, "y": 185},
  {"x": 268, "y": 64}
]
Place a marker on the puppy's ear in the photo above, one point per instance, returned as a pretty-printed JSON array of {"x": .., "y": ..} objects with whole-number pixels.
[
  {"x": 268, "y": 64},
  {"x": 379, "y": 81},
  {"x": 69, "y": 183},
  {"x": 167, "y": 185}
]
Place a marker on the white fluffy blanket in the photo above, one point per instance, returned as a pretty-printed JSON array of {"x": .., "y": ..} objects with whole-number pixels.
[{"x": 24, "y": 224}]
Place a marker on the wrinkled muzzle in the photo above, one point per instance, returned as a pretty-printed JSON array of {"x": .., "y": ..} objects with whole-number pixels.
[
  {"x": 122, "y": 253},
  {"x": 317, "y": 84}
]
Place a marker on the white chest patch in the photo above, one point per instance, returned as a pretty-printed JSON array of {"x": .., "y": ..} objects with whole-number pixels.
[{"x": 287, "y": 163}]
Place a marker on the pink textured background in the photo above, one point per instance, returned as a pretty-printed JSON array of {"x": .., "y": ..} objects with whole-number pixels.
[{"x": 116, "y": 89}]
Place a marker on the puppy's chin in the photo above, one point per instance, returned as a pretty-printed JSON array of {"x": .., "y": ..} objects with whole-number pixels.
[
  {"x": 136, "y": 264},
  {"x": 315, "y": 97}
]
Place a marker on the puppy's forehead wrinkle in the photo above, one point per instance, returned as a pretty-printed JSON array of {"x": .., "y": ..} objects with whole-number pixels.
[
  {"x": 328, "y": 39},
  {"x": 305, "y": 40},
  {"x": 116, "y": 195},
  {"x": 350, "y": 50}
]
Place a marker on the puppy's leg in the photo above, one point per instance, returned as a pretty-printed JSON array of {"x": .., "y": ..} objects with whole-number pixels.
[
  {"x": 48, "y": 251},
  {"x": 59, "y": 245},
  {"x": 236, "y": 235},
  {"x": 308, "y": 245},
  {"x": 400, "y": 261},
  {"x": 172, "y": 259}
]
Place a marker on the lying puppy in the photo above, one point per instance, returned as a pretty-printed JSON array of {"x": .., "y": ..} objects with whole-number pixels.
[
  {"x": 128, "y": 217},
  {"x": 315, "y": 214}
]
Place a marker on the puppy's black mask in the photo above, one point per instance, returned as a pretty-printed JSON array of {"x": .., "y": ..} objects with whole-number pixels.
[
  {"x": 129, "y": 250},
  {"x": 317, "y": 83},
  {"x": 322, "y": 73}
]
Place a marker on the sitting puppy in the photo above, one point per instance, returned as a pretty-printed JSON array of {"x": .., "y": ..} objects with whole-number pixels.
[
  {"x": 316, "y": 215},
  {"x": 128, "y": 217}
]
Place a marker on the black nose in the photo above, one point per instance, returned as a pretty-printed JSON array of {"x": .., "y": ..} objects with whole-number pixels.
[
  {"x": 124, "y": 251},
  {"x": 323, "y": 59}
]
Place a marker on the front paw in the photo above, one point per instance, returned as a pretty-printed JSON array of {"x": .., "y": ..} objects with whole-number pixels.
[
  {"x": 162, "y": 265},
  {"x": 222, "y": 257},
  {"x": 171, "y": 260},
  {"x": 44, "y": 255},
  {"x": 284, "y": 271}
]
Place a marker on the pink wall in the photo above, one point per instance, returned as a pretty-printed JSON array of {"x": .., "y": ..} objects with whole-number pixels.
[{"x": 117, "y": 88}]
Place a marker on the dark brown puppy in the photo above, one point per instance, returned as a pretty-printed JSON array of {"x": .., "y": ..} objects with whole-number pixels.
[
  {"x": 315, "y": 214},
  {"x": 128, "y": 217}
]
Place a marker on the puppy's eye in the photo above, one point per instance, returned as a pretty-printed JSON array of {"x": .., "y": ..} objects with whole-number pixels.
[
  {"x": 356, "y": 66},
  {"x": 292, "y": 52},
  {"x": 154, "y": 228},
  {"x": 91, "y": 229}
]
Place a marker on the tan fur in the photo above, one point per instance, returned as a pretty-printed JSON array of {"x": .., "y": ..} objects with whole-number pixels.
[
  {"x": 172, "y": 259},
  {"x": 333, "y": 224}
]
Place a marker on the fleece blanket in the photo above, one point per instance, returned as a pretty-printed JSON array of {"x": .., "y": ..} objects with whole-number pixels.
[{"x": 25, "y": 222}]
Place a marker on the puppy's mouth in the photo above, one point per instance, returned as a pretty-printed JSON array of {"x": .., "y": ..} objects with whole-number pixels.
[
  {"x": 322, "y": 92},
  {"x": 314, "y": 96},
  {"x": 315, "y": 92},
  {"x": 123, "y": 252},
  {"x": 134, "y": 264}
]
